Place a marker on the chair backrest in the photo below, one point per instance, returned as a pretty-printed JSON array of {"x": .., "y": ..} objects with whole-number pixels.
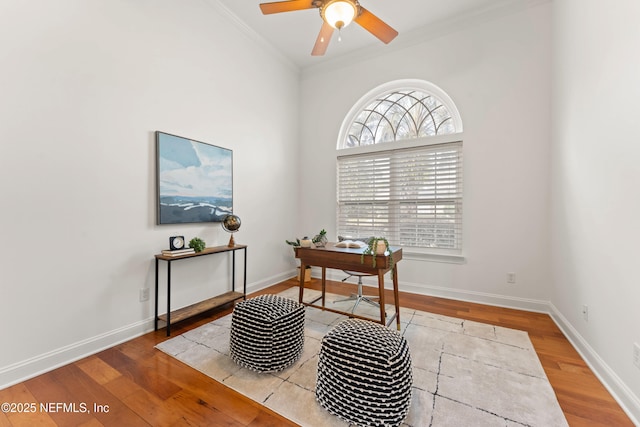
[{"x": 359, "y": 239}]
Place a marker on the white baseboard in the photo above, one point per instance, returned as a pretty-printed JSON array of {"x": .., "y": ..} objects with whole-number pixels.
[
  {"x": 270, "y": 281},
  {"x": 21, "y": 371},
  {"x": 538, "y": 306},
  {"x": 37, "y": 365},
  {"x": 527, "y": 304},
  {"x": 629, "y": 402}
]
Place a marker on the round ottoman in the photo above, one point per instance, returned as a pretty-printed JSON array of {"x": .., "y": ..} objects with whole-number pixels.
[
  {"x": 267, "y": 333},
  {"x": 364, "y": 374}
]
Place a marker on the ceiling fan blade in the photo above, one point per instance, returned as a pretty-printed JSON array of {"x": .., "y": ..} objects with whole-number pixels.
[
  {"x": 375, "y": 26},
  {"x": 285, "y": 6},
  {"x": 324, "y": 37}
]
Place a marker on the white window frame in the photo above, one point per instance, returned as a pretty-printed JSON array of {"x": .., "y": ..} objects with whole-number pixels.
[{"x": 434, "y": 254}]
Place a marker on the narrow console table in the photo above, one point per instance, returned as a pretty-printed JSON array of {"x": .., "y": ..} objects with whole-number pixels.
[
  {"x": 217, "y": 301},
  {"x": 350, "y": 259}
]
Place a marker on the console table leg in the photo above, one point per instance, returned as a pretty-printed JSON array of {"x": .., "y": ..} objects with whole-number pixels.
[
  {"x": 168, "y": 298},
  {"x": 233, "y": 270},
  {"x": 155, "y": 319},
  {"x": 244, "y": 287}
]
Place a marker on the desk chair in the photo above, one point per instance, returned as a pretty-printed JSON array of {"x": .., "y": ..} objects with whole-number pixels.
[{"x": 357, "y": 297}]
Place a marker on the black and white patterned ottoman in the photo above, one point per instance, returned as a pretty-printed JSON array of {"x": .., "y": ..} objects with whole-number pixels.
[
  {"x": 267, "y": 333},
  {"x": 364, "y": 374}
]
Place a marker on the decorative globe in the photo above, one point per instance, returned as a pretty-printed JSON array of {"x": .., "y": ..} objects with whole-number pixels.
[{"x": 231, "y": 223}]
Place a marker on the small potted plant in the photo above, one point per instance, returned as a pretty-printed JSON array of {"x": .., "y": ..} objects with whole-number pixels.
[
  {"x": 320, "y": 239},
  {"x": 377, "y": 246},
  {"x": 295, "y": 244},
  {"x": 197, "y": 244}
]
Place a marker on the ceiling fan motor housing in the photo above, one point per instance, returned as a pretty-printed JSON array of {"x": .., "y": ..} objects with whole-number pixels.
[{"x": 338, "y": 13}]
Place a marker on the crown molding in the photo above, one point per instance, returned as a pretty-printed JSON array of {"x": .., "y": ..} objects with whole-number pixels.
[{"x": 252, "y": 34}]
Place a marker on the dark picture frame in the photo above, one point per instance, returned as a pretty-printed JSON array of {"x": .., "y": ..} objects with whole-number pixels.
[{"x": 194, "y": 180}]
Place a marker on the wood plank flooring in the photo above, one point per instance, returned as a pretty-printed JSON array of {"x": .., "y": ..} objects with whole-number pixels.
[{"x": 133, "y": 384}]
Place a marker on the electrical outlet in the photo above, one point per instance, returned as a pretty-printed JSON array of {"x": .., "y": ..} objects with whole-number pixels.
[
  {"x": 511, "y": 278},
  {"x": 636, "y": 355},
  {"x": 585, "y": 312},
  {"x": 144, "y": 294}
]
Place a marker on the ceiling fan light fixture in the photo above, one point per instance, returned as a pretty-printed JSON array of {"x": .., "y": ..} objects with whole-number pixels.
[{"x": 339, "y": 13}]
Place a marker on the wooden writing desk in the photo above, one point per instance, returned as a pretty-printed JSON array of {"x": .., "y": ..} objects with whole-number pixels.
[{"x": 350, "y": 259}]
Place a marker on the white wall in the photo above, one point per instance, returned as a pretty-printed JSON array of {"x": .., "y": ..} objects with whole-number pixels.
[
  {"x": 83, "y": 87},
  {"x": 497, "y": 71},
  {"x": 595, "y": 203}
]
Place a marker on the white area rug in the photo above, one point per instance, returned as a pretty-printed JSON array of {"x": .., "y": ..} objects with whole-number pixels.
[{"x": 464, "y": 373}]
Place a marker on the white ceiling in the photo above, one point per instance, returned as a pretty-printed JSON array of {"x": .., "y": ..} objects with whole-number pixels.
[{"x": 293, "y": 34}]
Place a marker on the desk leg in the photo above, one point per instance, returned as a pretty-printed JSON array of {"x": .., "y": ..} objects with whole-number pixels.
[
  {"x": 168, "y": 298},
  {"x": 396, "y": 294},
  {"x": 302, "y": 270},
  {"x": 324, "y": 284},
  {"x": 383, "y": 314}
]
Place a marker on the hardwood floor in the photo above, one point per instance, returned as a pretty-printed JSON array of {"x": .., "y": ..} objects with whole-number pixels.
[{"x": 134, "y": 384}]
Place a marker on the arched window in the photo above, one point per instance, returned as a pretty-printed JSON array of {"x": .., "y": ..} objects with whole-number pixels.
[{"x": 400, "y": 168}]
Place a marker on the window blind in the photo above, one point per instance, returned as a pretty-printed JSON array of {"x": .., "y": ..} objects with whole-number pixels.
[{"x": 413, "y": 196}]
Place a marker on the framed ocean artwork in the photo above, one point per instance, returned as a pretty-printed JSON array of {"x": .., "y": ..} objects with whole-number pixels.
[{"x": 194, "y": 180}]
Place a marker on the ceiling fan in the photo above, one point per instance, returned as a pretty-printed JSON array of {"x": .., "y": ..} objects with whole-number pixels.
[{"x": 336, "y": 14}]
